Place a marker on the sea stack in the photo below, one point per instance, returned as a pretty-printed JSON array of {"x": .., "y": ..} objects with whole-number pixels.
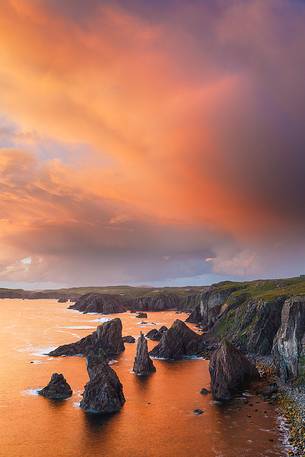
[
  {"x": 103, "y": 393},
  {"x": 177, "y": 342},
  {"x": 230, "y": 371},
  {"x": 289, "y": 343},
  {"x": 143, "y": 365},
  {"x": 57, "y": 389},
  {"x": 107, "y": 337}
]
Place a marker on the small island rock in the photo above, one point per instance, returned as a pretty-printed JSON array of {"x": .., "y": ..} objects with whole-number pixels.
[
  {"x": 129, "y": 339},
  {"x": 57, "y": 389}
]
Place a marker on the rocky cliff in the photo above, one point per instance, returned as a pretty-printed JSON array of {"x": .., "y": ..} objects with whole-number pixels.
[
  {"x": 230, "y": 371},
  {"x": 289, "y": 344},
  {"x": 108, "y": 337},
  {"x": 179, "y": 341},
  {"x": 210, "y": 304},
  {"x": 99, "y": 303},
  {"x": 250, "y": 325},
  {"x": 155, "y": 302}
]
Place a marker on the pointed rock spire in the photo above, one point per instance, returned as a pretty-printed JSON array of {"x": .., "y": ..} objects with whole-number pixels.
[{"x": 143, "y": 365}]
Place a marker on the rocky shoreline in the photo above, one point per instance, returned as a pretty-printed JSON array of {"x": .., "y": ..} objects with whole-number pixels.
[{"x": 260, "y": 322}]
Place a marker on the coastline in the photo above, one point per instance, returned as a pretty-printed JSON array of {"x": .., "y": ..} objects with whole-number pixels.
[{"x": 290, "y": 400}]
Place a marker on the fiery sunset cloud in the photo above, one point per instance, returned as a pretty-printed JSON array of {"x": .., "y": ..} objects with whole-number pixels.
[{"x": 151, "y": 142}]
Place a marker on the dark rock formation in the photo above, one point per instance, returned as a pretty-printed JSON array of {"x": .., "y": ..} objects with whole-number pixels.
[
  {"x": 155, "y": 302},
  {"x": 179, "y": 341},
  {"x": 141, "y": 316},
  {"x": 210, "y": 304},
  {"x": 289, "y": 344},
  {"x": 198, "y": 411},
  {"x": 129, "y": 339},
  {"x": 99, "y": 303},
  {"x": 103, "y": 393},
  {"x": 250, "y": 325},
  {"x": 108, "y": 336},
  {"x": 204, "y": 391},
  {"x": 230, "y": 371},
  {"x": 156, "y": 335},
  {"x": 57, "y": 389},
  {"x": 143, "y": 365},
  {"x": 62, "y": 299}
]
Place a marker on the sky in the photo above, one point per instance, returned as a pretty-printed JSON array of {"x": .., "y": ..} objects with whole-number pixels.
[{"x": 156, "y": 143}]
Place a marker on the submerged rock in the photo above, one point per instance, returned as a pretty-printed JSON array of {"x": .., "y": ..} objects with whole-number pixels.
[
  {"x": 103, "y": 393},
  {"x": 129, "y": 339},
  {"x": 230, "y": 371},
  {"x": 204, "y": 391},
  {"x": 155, "y": 334},
  {"x": 177, "y": 342},
  {"x": 99, "y": 303},
  {"x": 57, "y": 389},
  {"x": 143, "y": 365},
  {"x": 289, "y": 343},
  {"x": 198, "y": 411},
  {"x": 108, "y": 336}
]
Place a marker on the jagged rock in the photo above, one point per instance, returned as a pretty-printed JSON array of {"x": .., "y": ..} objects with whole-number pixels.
[
  {"x": 250, "y": 324},
  {"x": 156, "y": 335},
  {"x": 103, "y": 393},
  {"x": 62, "y": 299},
  {"x": 153, "y": 335},
  {"x": 99, "y": 303},
  {"x": 142, "y": 316},
  {"x": 129, "y": 339},
  {"x": 210, "y": 303},
  {"x": 143, "y": 365},
  {"x": 230, "y": 371},
  {"x": 57, "y": 389},
  {"x": 179, "y": 341},
  {"x": 289, "y": 343},
  {"x": 108, "y": 336},
  {"x": 155, "y": 302}
]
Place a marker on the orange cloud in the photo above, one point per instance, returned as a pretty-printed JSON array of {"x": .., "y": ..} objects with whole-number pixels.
[{"x": 179, "y": 119}]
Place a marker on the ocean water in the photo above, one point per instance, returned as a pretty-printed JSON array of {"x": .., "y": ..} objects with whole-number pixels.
[{"x": 157, "y": 419}]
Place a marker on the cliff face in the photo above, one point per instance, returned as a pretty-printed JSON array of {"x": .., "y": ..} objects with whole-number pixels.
[
  {"x": 99, "y": 303},
  {"x": 157, "y": 302},
  {"x": 107, "y": 337},
  {"x": 251, "y": 325},
  {"x": 210, "y": 304},
  {"x": 230, "y": 371},
  {"x": 289, "y": 344},
  {"x": 179, "y": 341}
]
